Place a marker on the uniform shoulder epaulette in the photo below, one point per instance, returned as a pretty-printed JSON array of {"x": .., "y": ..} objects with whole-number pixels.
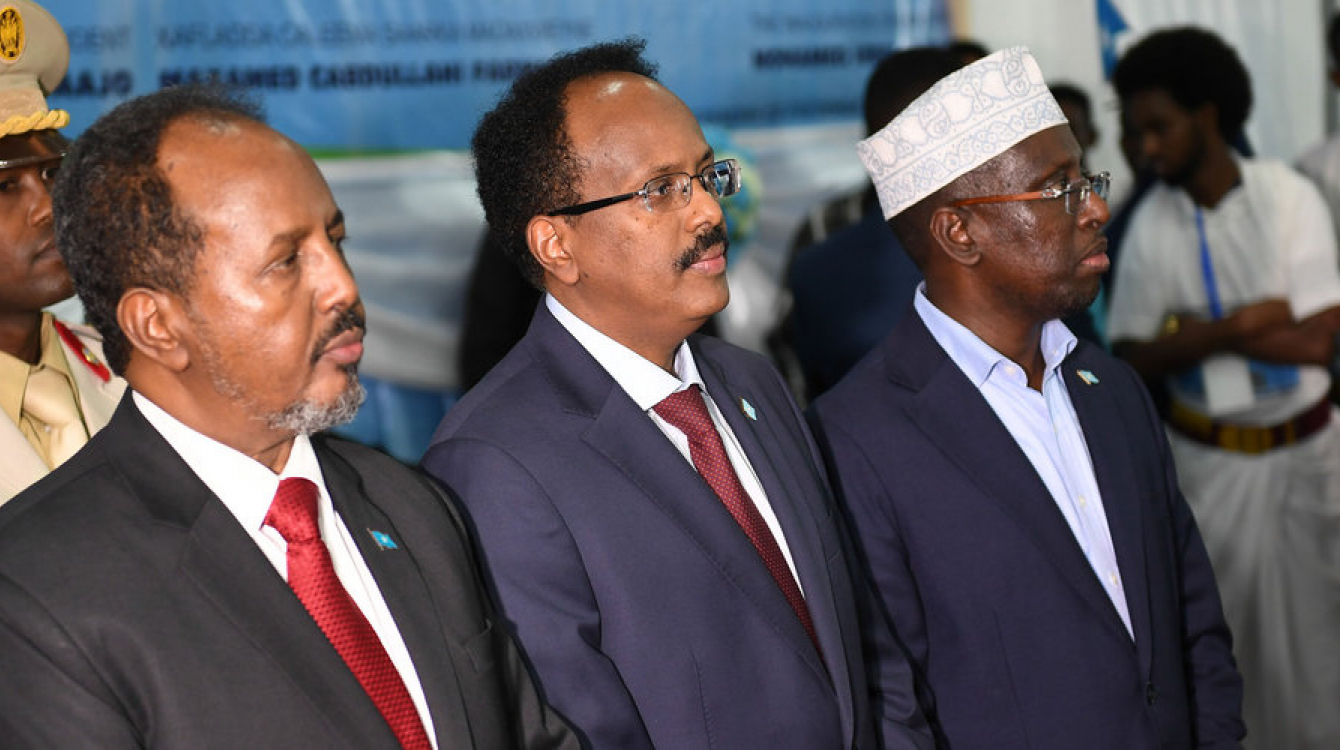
[{"x": 86, "y": 355}]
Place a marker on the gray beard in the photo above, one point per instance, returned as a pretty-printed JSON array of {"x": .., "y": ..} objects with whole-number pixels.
[
  {"x": 301, "y": 417},
  {"x": 306, "y": 418}
]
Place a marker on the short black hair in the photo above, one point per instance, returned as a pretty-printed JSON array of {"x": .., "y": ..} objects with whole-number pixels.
[
  {"x": 901, "y": 77},
  {"x": 1194, "y": 67},
  {"x": 117, "y": 224},
  {"x": 967, "y": 50},
  {"x": 524, "y": 164},
  {"x": 1069, "y": 92}
]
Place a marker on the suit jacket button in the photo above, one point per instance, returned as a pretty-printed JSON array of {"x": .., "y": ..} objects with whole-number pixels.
[{"x": 1151, "y": 693}]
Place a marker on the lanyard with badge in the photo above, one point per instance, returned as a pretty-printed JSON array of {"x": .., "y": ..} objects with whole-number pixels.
[{"x": 1267, "y": 378}]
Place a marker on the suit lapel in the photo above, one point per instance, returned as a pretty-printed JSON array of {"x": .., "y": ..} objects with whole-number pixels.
[
  {"x": 1105, "y": 432},
  {"x": 797, "y": 495},
  {"x": 627, "y": 437},
  {"x": 956, "y": 417},
  {"x": 780, "y": 469},
  {"x": 401, "y": 581},
  {"x": 224, "y": 564},
  {"x": 229, "y": 571}
]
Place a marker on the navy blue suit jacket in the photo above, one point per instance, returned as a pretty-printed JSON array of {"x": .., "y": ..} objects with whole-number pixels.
[
  {"x": 648, "y": 617},
  {"x": 848, "y": 292},
  {"x": 1013, "y": 638}
]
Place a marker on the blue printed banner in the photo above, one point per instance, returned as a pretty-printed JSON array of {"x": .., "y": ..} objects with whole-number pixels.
[{"x": 417, "y": 74}]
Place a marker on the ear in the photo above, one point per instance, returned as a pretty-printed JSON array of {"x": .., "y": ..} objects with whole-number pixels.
[
  {"x": 151, "y": 321},
  {"x": 950, "y": 232},
  {"x": 547, "y": 237}
]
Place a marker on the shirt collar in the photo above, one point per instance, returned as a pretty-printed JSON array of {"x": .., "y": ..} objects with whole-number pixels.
[
  {"x": 244, "y": 484},
  {"x": 644, "y": 382},
  {"x": 975, "y": 357},
  {"x": 14, "y": 371}
]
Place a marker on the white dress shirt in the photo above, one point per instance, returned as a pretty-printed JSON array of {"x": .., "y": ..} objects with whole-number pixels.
[
  {"x": 247, "y": 488},
  {"x": 1046, "y": 428},
  {"x": 648, "y": 385}
]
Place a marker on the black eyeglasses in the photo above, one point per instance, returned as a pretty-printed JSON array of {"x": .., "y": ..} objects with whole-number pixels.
[{"x": 670, "y": 192}]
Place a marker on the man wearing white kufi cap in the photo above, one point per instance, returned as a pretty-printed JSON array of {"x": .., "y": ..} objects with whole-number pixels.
[
  {"x": 1010, "y": 486},
  {"x": 55, "y": 390}
]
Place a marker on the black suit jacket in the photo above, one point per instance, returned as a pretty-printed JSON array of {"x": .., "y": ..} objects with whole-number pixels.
[
  {"x": 136, "y": 612},
  {"x": 1011, "y": 633}
]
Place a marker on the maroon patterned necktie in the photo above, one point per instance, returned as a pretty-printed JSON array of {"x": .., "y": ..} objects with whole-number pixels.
[
  {"x": 687, "y": 411},
  {"x": 312, "y": 577}
]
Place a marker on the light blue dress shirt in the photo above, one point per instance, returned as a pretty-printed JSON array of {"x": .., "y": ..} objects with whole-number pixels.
[{"x": 1046, "y": 428}]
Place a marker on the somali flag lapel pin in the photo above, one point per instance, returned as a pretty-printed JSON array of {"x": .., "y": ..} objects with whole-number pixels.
[
  {"x": 1088, "y": 377},
  {"x": 748, "y": 409},
  {"x": 383, "y": 540}
]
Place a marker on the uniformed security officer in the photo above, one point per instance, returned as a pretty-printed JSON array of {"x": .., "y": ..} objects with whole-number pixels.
[{"x": 55, "y": 390}]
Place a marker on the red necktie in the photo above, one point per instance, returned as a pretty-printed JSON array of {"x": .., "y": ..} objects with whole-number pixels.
[
  {"x": 312, "y": 577},
  {"x": 687, "y": 411}
]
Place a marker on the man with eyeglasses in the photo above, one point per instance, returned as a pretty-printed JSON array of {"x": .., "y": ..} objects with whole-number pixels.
[
  {"x": 1010, "y": 486},
  {"x": 55, "y": 389},
  {"x": 651, "y": 511},
  {"x": 1229, "y": 292}
]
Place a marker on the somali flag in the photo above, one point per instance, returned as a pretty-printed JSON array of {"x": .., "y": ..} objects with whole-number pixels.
[{"x": 1110, "y": 24}]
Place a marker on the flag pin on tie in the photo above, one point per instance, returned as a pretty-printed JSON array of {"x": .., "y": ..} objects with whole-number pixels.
[
  {"x": 383, "y": 539},
  {"x": 1088, "y": 377},
  {"x": 748, "y": 409}
]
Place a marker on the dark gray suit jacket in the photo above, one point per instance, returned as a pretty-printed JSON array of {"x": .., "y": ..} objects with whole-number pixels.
[
  {"x": 136, "y": 612},
  {"x": 650, "y": 619}
]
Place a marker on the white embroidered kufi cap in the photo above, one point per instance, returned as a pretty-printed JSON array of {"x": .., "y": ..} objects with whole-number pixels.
[
  {"x": 966, "y": 119},
  {"x": 34, "y": 55}
]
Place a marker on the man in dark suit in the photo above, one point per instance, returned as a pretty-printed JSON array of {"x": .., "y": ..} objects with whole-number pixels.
[
  {"x": 1010, "y": 486},
  {"x": 660, "y": 606},
  {"x": 850, "y": 286},
  {"x": 151, "y": 594}
]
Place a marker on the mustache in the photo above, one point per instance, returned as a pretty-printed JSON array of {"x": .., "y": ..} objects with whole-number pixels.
[
  {"x": 706, "y": 241},
  {"x": 351, "y": 319}
]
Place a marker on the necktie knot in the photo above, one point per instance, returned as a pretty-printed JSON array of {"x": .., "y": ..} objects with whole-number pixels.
[
  {"x": 687, "y": 411},
  {"x": 49, "y": 398},
  {"x": 293, "y": 510}
]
